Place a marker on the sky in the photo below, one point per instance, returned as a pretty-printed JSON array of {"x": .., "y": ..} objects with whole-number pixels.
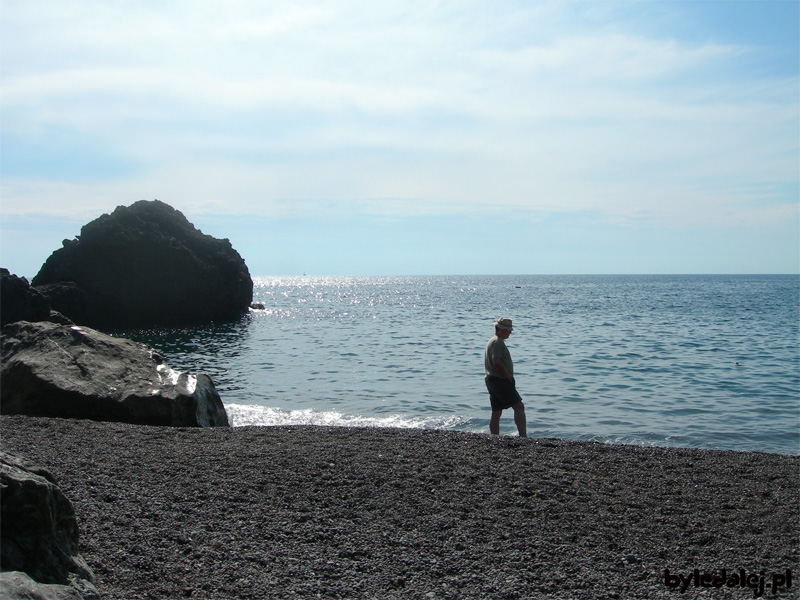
[{"x": 412, "y": 137}]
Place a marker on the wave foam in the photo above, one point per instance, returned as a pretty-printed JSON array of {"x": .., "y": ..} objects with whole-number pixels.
[{"x": 241, "y": 415}]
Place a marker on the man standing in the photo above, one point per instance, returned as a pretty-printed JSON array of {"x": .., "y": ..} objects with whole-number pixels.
[{"x": 500, "y": 379}]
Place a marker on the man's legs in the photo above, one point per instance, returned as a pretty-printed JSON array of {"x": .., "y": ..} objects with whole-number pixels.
[
  {"x": 494, "y": 422},
  {"x": 502, "y": 393},
  {"x": 519, "y": 419}
]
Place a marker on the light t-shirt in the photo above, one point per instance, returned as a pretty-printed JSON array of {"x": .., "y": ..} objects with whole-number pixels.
[{"x": 496, "y": 348}]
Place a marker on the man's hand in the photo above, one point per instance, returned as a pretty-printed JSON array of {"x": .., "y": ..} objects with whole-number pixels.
[{"x": 502, "y": 370}]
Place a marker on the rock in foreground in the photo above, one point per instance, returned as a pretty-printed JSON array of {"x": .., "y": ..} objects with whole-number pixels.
[
  {"x": 75, "y": 372},
  {"x": 146, "y": 265},
  {"x": 39, "y": 537}
]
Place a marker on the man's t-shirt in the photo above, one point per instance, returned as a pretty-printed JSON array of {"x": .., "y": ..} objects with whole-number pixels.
[{"x": 496, "y": 348}]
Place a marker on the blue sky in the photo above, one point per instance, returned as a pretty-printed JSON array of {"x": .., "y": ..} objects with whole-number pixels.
[{"x": 408, "y": 137}]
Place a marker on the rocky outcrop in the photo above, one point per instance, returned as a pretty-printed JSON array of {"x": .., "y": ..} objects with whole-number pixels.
[
  {"x": 76, "y": 372},
  {"x": 70, "y": 299},
  {"x": 39, "y": 535},
  {"x": 19, "y": 301},
  {"x": 146, "y": 265}
]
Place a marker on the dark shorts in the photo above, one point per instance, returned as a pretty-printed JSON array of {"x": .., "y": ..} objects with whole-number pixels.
[{"x": 502, "y": 394}]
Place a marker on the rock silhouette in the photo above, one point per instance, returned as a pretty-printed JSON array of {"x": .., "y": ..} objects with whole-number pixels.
[
  {"x": 19, "y": 301},
  {"x": 145, "y": 265}
]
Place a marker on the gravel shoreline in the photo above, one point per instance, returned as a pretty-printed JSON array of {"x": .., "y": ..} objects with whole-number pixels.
[{"x": 307, "y": 512}]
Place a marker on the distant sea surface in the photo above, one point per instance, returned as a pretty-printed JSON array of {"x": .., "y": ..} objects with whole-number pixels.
[{"x": 688, "y": 361}]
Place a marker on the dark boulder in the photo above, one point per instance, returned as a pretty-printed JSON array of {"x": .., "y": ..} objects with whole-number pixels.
[
  {"x": 146, "y": 265},
  {"x": 39, "y": 537},
  {"x": 53, "y": 370},
  {"x": 20, "y": 302}
]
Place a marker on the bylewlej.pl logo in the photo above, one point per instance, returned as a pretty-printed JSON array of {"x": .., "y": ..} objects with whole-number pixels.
[{"x": 760, "y": 582}]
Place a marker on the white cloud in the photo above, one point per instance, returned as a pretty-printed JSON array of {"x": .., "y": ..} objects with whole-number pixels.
[{"x": 249, "y": 107}]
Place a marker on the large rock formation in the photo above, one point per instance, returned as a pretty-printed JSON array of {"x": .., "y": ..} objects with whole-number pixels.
[
  {"x": 39, "y": 549},
  {"x": 67, "y": 371},
  {"x": 146, "y": 266}
]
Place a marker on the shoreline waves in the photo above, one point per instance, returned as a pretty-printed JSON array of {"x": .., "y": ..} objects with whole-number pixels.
[{"x": 337, "y": 512}]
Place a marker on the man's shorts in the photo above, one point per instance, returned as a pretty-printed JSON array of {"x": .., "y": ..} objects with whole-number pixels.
[{"x": 502, "y": 394}]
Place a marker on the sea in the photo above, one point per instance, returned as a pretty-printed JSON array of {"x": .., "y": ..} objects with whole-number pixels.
[{"x": 697, "y": 361}]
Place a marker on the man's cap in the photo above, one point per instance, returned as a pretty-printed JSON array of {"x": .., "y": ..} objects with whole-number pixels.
[{"x": 504, "y": 323}]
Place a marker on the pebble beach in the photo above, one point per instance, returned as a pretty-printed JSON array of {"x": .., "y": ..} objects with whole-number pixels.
[{"x": 336, "y": 512}]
